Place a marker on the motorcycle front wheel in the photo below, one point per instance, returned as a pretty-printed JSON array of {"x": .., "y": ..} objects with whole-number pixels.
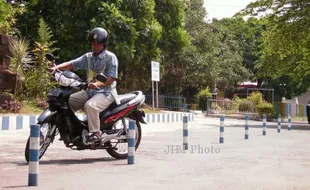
[
  {"x": 46, "y": 137},
  {"x": 121, "y": 146}
]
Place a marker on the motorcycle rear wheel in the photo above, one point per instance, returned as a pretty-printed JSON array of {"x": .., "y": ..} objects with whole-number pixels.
[
  {"x": 123, "y": 155},
  {"x": 45, "y": 140}
]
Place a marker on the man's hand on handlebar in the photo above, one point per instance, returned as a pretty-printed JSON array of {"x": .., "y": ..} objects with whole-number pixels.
[
  {"x": 52, "y": 70},
  {"x": 93, "y": 86}
]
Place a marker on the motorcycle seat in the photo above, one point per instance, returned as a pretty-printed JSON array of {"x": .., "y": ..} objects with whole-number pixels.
[{"x": 124, "y": 98}]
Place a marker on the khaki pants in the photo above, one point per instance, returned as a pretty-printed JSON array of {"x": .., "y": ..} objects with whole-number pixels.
[{"x": 92, "y": 107}]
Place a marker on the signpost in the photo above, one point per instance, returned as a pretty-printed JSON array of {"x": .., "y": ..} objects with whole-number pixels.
[{"x": 155, "y": 77}]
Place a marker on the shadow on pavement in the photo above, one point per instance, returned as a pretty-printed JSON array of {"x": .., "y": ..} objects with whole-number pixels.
[
  {"x": 68, "y": 161},
  {"x": 13, "y": 187}
]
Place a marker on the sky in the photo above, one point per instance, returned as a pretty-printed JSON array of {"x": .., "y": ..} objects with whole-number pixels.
[{"x": 224, "y": 8}]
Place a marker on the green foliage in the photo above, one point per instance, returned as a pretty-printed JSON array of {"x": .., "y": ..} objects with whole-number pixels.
[
  {"x": 133, "y": 32},
  {"x": 37, "y": 79},
  {"x": 174, "y": 43},
  {"x": 285, "y": 43},
  {"x": 241, "y": 104},
  {"x": 228, "y": 69},
  {"x": 171, "y": 32},
  {"x": 248, "y": 35},
  {"x": 245, "y": 105},
  {"x": 256, "y": 97},
  {"x": 45, "y": 36},
  {"x": 202, "y": 98},
  {"x": 215, "y": 106},
  {"x": 192, "y": 53},
  {"x": 19, "y": 49},
  {"x": 7, "y": 19},
  {"x": 265, "y": 108}
]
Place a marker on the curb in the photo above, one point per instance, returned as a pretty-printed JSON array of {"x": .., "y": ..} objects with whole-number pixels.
[{"x": 17, "y": 122}]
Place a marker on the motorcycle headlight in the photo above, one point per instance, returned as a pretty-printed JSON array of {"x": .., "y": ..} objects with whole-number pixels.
[{"x": 64, "y": 81}]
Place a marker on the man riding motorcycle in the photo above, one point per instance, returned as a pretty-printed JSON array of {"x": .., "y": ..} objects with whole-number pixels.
[{"x": 99, "y": 95}]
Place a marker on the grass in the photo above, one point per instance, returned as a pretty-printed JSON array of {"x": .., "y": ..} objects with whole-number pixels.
[
  {"x": 148, "y": 109},
  {"x": 299, "y": 119},
  {"x": 29, "y": 108}
]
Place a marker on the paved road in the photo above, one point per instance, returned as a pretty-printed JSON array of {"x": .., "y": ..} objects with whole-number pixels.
[{"x": 276, "y": 161}]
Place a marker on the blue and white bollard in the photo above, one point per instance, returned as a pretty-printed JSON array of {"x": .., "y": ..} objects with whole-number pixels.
[
  {"x": 5, "y": 123},
  {"x": 34, "y": 151},
  {"x": 222, "y": 129},
  {"x": 279, "y": 123},
  {"x": 131, "y": 142},
  {"x": 32, "y": 120},
  {"x": 264, "y": 124},
  {"x": 289, "y": 123},
  {"x": 185, "y": 132},
  {"x": 246, "y": 136},
  {"x": 19, "y": 122}
]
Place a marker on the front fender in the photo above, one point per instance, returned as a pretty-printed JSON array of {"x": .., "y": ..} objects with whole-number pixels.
[{"x": 46, "y": 116}]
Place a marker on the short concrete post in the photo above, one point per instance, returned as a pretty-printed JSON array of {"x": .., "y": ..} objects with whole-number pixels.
[
  {"x": 131, "y": 142},
  {"x": 246, "y": 136},
  {"x": 264, "y": 124},
  {"x": 222, "y": 129},
  {"x": 185, "y": 132},
  {"x": 34, "y": 152},
  {"x": 279, "y": 123},
  {"x": 289, "y": 123}
]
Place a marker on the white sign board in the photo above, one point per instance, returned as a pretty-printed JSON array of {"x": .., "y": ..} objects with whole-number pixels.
[{"x": 155, "y": 71}]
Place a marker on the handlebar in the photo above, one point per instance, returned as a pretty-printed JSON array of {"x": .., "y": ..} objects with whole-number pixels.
[{"x": 82, "y": 85}]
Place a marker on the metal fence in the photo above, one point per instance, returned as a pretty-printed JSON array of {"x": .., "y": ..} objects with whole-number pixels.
[
  {"x": 229, "y": 107},
  {"x": 248, "y": 107},
  {"x": 167, "y": 102}
]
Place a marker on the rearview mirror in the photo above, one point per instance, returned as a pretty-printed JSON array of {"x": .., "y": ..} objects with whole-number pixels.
[
  {"x": 101, "y": 78},
  {"x": 50, "y": 57}
]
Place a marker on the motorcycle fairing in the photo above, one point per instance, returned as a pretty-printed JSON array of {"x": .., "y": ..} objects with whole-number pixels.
[{"x": 45, "y": 116}]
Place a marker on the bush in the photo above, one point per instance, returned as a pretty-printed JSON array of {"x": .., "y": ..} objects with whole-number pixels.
[
  {"x": 12, "y": 106},
  {"x": 256, "y": 98},
  {"x": 215, "y": 106},
  {"x": 7, "y": 19},
  {"x": 265, "y": 108},
  {"x": 245, "y": 105},
  {"x": 202, "y": 98}
]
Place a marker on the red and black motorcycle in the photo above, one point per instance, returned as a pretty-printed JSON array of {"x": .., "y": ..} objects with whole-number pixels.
[{"x": 58, "y": 118}]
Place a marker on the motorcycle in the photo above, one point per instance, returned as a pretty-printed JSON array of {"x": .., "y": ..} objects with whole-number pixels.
[{"x": 58, "y": 118}]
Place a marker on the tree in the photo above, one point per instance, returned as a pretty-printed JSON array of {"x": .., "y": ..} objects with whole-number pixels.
[
  {"x": 285, "y": 47},
  {"x": 133, "y": 32},
  {"x": 215, "y": 54},
  {"x": 7, "y": 19},
  {"x": 248, "y": 34},
  {"x": 228, "y": 58},
  {"x": 173, "y": 44},
  {"x": 135, "y": 35}
]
